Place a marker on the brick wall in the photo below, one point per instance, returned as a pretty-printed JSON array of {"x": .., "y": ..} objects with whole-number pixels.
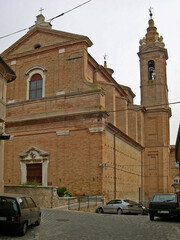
[
  {"x": 73, "y": 158},
  {"x": 122, "y": 178}
]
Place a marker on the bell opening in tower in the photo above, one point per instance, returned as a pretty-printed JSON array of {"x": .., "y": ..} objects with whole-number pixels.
[{"x": 151, "y": 70}]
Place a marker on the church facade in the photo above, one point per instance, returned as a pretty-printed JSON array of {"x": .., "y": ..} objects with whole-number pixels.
[{"x": 73, "y": 125}]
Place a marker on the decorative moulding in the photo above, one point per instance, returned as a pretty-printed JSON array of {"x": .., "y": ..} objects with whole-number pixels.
[
  {"x": 11, "y": 101},
  {"x": 61, "y": 50},
  {"x": 13, "y": 62},
  {"x": 60, "y": 93},
  {"x": 96, "y": 129},
  {"x": 62, "y": 133}
]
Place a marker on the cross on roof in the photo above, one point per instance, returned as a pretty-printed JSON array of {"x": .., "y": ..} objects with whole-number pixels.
[
  {"x": 41, "y": 9},
  {"x": 105, "y": 57},
  {"x": 150, "y": 11},
  {"x": 105, "y": 63}
]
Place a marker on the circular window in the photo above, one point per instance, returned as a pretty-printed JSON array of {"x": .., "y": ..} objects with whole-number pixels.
[{"x": 37, "y": 46}]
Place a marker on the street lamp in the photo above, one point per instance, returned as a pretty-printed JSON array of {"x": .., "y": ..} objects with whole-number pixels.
[
  {"x": 177, "y": 152},
  {"x": 4, "y": 136}
]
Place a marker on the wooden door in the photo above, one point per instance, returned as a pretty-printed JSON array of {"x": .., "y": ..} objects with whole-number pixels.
[{"x": 34, "y": 172}]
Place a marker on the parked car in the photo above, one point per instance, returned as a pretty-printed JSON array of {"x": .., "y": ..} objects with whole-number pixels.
[
  {"x": 18, "y": 212},
  {"x": 164, "y": 205},
  {"x": 121, "y": 206}
]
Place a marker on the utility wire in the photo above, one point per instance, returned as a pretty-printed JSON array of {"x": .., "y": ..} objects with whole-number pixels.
[
  {"x": 158, "y": 105},
  {"x": 13, "y": 33},
  {"x": 133, "y": 173},
  {"x": 60, "y": 15},
  {"x": 49, "y": 20}
]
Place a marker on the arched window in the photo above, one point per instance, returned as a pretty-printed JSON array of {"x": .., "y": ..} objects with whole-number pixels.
[
  {"x": 35, "y": 86},
  {"x": 151, "y": 70}
]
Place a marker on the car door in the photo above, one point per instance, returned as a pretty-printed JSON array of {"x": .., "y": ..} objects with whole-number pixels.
[
  {"x": 24, "y": 208},
  {"x": 33, "y": 210},
  {"x": 109, "y": 207},
  {"x": 117, "y": 205}
]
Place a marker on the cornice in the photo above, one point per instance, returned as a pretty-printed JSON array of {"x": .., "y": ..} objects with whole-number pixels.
[
  {"x": 57, "y": 118},
  {"x": 123, "y": 136}
]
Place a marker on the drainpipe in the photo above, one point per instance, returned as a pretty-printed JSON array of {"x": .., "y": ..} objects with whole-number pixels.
[
  {"x": 179, "y": 178},
  {"x": 114, "y": 166},
  {"x": 142, "y": 174}
]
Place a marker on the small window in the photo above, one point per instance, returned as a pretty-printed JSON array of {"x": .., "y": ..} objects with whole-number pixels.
[
  {"x": 30, "y": 202},
  {"x": 151, "y": 70},
  {"x": 35, "y": 86},
  {"x": 177, "y": 165},
  {"x": 37, "y": 46},
  {"x": 111, "y": 202},
  {"x": 176, "y": 180},
  {"x": 8, "y": 207},
  {"x": 23, "y": 203}
]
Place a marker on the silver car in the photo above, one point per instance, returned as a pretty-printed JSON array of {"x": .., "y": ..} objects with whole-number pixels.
[{"x": 121, "y": 206}]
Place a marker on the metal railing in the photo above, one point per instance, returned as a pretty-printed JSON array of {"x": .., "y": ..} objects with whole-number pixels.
[{"x": 77, "y": 203}]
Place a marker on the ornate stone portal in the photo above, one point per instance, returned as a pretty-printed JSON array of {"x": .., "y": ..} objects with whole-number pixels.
[{"x": 34, "y": 155}]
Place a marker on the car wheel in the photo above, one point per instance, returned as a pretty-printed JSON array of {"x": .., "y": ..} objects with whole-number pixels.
[
  {"x": 23, "y": 229},
  {"x": 119, "y": 211},
  {"x": 100, "y": 210},
  {"x": 37, "y": 223},
  {"x": 151, "y": 217}
]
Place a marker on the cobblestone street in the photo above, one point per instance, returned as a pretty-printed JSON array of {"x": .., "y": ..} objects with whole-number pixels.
[{"x": 65, "y": 225}]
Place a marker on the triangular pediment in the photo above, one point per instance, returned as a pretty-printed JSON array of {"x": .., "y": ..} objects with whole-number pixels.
[
  {"x": 33, "y": 153},
  {"x": 45, "y": 39}
]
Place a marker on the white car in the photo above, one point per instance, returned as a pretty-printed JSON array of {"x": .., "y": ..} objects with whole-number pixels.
[{"x": 121, "y": 206}]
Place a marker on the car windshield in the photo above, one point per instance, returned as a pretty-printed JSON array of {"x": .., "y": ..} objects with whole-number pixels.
[
  {"x": 164, "y": 198},
  {"x": 8, "y": 206}
]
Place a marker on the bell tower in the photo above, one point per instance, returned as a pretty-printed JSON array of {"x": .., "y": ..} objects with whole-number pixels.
[
  {"x": 154, "y": 97},
  {"x": 153, "y": 56}
]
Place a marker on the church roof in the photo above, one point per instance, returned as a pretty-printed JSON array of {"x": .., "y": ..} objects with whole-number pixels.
[{"x": 41, "y": 36}]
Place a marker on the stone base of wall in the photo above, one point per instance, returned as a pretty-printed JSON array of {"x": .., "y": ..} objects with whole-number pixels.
[{"x": 45, "y": 197}]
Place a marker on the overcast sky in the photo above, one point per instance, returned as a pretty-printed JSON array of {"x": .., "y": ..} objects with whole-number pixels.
[{"x": 115, "y": 28}]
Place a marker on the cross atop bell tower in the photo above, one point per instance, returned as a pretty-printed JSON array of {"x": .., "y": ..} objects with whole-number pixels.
[{"x": 150, "y": 12}]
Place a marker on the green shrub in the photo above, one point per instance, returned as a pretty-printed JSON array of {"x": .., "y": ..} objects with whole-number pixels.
[
  {"x": 35, "y": 184},
  {"x": 61, "y": 191},
  {"x": 68, "y": 194}
]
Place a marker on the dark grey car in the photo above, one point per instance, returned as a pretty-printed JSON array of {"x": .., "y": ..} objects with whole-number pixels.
[
  {"x": 18, "y": 212},
  {"x": 164, "y": 205},
  {"x": 121, "y": 206}
]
